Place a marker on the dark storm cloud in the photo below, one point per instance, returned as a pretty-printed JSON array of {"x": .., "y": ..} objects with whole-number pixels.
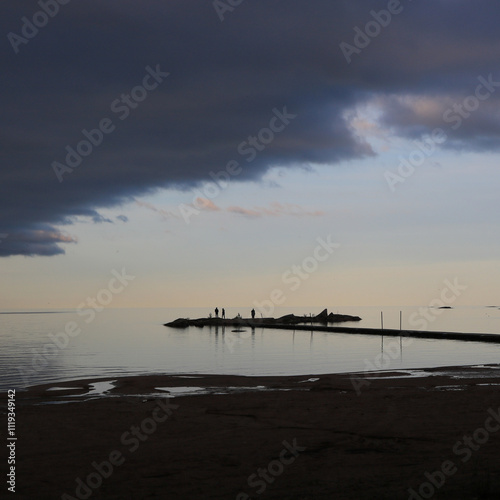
[
  {"x": 470, "y": 123},
  {"x": 40, "y": 241},
  {"x": 225, "y": 79}
]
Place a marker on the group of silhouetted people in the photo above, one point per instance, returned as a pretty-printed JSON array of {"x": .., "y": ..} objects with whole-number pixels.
[{"x": 223, "y": 313}]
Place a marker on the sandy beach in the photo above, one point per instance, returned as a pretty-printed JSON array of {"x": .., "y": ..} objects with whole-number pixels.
[{"x": 392, "y": 435}]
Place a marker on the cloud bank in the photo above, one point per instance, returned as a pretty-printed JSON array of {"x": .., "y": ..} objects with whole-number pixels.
[{"x": 84, "y": 77}]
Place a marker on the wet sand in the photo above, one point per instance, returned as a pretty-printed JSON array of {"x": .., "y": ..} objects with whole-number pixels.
[{"x": 304, "y": 437}]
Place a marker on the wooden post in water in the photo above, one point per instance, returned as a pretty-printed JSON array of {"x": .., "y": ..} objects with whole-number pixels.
[
  {"x": 382, "y": 328},
  {"x": 400, "y": 339}
]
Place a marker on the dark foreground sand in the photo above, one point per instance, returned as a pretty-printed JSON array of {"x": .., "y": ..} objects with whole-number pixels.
[{"x": 319, "y": 440}]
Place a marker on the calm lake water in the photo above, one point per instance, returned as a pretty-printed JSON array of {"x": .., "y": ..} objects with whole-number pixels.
[{"x": 134, "y": 341}]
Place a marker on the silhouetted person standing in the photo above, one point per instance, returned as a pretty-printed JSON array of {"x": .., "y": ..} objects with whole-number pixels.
[
  {"x": 216, "y": 312},
  {"x": 253, "y": 313},
  {"x": 223, "y": 313}
]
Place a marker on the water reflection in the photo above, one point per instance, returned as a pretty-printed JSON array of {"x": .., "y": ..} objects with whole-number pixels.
[{"x": 121, "y": 342}]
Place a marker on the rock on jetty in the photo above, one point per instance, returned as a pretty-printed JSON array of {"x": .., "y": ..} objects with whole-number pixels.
[{"x": 290, "y": 319}]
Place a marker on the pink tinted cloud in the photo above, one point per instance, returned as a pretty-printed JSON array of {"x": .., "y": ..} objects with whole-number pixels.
[
  {"x": 206, "y": 204},
  {"x": 165, "y": 214},
  {"x": 275, "y": 210}
]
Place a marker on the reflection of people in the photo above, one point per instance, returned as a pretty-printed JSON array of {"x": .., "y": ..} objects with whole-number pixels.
[
  {"x": 223, "y": 313},
  {"x": 253, "y": 313},
  {"x": 216, "y": 312}
]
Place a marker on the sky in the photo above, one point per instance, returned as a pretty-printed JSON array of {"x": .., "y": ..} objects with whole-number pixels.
[{"x": 254, "y": 153}]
